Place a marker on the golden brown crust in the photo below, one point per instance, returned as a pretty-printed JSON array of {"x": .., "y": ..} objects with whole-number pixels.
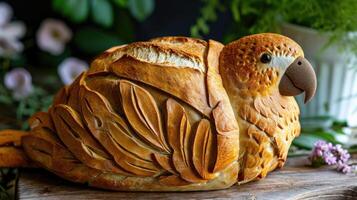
[
  {"x": 224, "y": 119},
  {"x": 186, "y": 84},
  {"x": 49, "y": 152},
  {"x": 11, "y": 153},
  {"x": 11, "y": 137},
  {"x": 13, "y": 157},
  {"x": 268, "y": 121},
  {"x": 190, "y": 46},
  {"x": 244, "y": 74},
  {"x": 266, "y": 134}
]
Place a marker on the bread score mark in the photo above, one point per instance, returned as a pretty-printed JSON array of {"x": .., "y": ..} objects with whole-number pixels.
[{"x": 157, "y": 54}]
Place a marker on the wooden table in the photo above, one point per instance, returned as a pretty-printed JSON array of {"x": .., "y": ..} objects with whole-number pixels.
[{"x": 294, "y": 181}]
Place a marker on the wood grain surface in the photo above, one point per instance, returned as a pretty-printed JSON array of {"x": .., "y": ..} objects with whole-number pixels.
[{"x": 295, "y": 181}]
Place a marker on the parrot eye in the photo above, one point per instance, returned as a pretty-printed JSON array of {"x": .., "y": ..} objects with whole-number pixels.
[{"x": 265, "y": 58}]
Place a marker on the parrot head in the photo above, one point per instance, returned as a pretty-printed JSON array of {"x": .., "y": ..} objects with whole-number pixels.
[{"x": 262, "y": 63}]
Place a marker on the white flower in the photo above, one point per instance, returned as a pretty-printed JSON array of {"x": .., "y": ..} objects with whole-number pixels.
[
  {"x": 5, "y": 13},
  {"x": 10, "y": 32},
  {"x": 9, "y": 38},
  {"x": 19, "y": 81},
  {"x": 52, "y": 36},
  {"x": 70, "y": 68}
]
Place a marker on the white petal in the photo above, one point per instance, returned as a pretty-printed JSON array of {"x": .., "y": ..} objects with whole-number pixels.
[
  {"x": 17, "y": 79},
  {"x": 9, "y": 47},
  {"x": 23, "y": 92},
  {"x": 70, "y": 68},
  {"x": 5, "y": 13},
  {"x": 48, "y": 44},
  {"x": 52, "y": 36},
  {"x": 13, "y": 30}
]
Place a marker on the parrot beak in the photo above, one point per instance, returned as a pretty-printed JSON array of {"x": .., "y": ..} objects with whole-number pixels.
[{"x": 299, "y": 77}]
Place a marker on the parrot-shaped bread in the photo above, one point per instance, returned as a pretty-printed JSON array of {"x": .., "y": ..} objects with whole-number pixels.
[{"x": 171, "y": 114}]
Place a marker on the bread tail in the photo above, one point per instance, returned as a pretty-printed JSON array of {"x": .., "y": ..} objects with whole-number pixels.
[{"x": 11, "y": 152}]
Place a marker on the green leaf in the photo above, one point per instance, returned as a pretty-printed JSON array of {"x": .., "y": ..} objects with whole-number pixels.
[
  {"x": 74, "y": 10},
  {"x": 306, "y": 141},
  {"x": 329, "y": 136},
  {"x": 208, "y": 14},
  {"x": 94, "y": 41},
  {"x": 102, "y": 12},
  {"x": 141, "y": 9},
  {"x": 121, "y": 3},
  {"x": 235, "y": 10}
]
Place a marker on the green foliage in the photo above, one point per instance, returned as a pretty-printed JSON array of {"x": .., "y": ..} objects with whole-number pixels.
[
  {"x": 39, "y": 100},
  {"x": 75, "y": 10},
  {"x": 208, "y": 14},
  {"x": 93, "y": 41},
  {"x": 102, "y": 12},
  {"x": 256, "y": 16},
  {"x": 333, "y": 133},
  {"x": 121, "y": 3},
  {"x": 141, "y": 9},
  {"x": 324, "y": 15},
  {"x": 124, "y": 20}
]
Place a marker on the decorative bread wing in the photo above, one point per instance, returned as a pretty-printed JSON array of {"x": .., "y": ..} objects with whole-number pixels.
[{"x": 155, "y": 110}]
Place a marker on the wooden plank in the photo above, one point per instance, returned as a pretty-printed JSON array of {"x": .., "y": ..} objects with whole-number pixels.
[{"x": 294, "y": 181}]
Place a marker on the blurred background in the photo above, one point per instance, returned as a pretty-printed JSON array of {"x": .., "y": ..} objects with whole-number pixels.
[{"x": 45, "y": 44}]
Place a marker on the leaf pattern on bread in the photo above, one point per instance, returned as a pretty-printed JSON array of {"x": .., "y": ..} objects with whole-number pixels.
[
  {"x": 143, "y": 114},
  {"x": 143, "y": 139}
]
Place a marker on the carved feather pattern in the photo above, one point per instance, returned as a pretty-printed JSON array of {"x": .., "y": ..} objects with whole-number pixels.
[
  {"x": 269, "y": 132},
  {"x": 135, "y": 141},
  {"x": 143, "y": 114},
  {"x": 114, "y": 134},
  {"x": 202, "y": 150},
  {"x": 45, "y": 147},
  {"x": 179, "y": 137},
  {"x": 73, "y": 134}
]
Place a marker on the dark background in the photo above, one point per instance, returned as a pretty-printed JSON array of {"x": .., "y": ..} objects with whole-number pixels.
[{"x": 169, "y": 18}]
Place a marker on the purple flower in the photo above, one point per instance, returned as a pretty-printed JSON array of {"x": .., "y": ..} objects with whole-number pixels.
[
  {"x": 19, "y": 81},
  {"x": 326, "y": 153},
  {"x": 329, "y": 158},
  {"x": 70, "y": 68},
  {"x": 52, "y": 36},
  {"x": 340, "y": 153},
  {"x": 322, "y": 152},
  {"x": 5, "y": 13},
  {"x": 343, "y": 167}
]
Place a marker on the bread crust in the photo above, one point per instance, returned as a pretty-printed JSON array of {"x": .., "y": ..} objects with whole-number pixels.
[{"x": 148, "y": 116}]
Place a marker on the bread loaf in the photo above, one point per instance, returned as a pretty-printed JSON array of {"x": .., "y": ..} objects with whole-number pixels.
[{"x": 175, "y": 114}]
